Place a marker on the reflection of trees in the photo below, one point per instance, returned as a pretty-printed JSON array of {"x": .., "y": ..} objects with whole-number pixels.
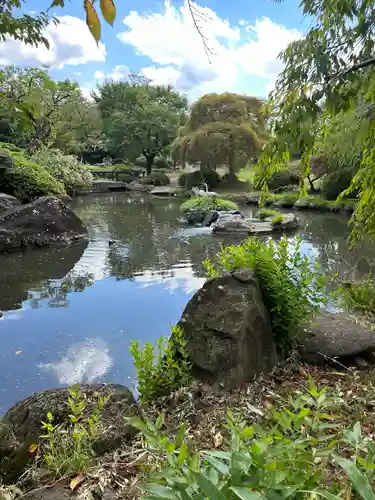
[
  {"x": 55, "y": 292},
  {"x": 22, "y": 271}
]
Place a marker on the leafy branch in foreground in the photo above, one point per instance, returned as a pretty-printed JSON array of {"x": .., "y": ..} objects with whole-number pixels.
[{"x": 292, "y": 455}]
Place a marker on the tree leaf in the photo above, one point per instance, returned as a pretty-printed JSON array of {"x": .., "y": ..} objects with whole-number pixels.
[
  {"x": 57, "y": 3},
  {"x": 218, "y": 440},
  {"x": 359, "y": 482},
  {"x": 92, "y": 20},
  {"x": 75, "y": 482},
  {"x": 208, "y": 488},
  {"x": 217, "y": 464},
  {"x": 108, "y": 9},
  {"x": 160, "y": 491},
  {"x": 246, "y": 494},
  {"x": 33, "y": 448}
]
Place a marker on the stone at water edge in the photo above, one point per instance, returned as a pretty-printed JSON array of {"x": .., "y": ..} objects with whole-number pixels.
[
  {"x": 234, "y": 223},
  {"x": 7, "y": 202},
  {"x": 46, "y": 221},
  {"x": 335, "y": 335},
  {"x": 164, "y": 191},
  {"x": 228, "y": 330},
  {"x": 23, "y": 422}
]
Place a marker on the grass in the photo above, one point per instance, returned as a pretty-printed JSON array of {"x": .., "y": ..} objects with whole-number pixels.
[
  {"x": 264, "y": 213},
  {"x": 360, "y": 296},
  {"x": 207, "y": 203}
]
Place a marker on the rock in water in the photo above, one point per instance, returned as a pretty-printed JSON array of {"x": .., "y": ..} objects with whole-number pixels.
[
  {"x": 44, "y": 222},
  {"x": 7, "y": 202},
  {"x": 335, "y": 335},
  {"x": 22, "y": 423},
  {"x": 228, "y": 330}
]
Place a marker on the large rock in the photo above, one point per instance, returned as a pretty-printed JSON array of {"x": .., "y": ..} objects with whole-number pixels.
[
  {"x": 228, "y": 330},
  {"x": 164, "y": 191},
  {"x": 7, "y": 202},
  {"x": 22, "y": 423},
  {"x": 44, "y": 222},
  {"x": 234, "y": 223},
  {"x": 137, "y": 186},
  {"x": 335, "y": 335}
]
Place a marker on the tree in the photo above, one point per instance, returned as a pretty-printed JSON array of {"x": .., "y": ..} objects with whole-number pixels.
[
  {"x": 140, "y": 119},
  {"x": 222, "y": 129},
  {"x": 328, "y": 71}
]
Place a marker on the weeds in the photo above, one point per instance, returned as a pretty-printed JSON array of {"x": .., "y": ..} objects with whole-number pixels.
[
  {"x": 68, "y": 449},
  {"x": 207, "y": 203},
  {"x": 158, "y": 373},
  {"x": 290, "y": 286},
  {"x": 264, "y": 213},
  {"x": 360, "y": 296}
]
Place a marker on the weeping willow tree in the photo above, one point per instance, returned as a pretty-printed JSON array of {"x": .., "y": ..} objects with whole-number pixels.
[
  {"x": 327, "y": 72},
  {"x": 222, "y": 129}
]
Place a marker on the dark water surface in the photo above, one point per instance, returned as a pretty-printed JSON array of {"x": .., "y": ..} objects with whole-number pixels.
[{"x": 70, "y": 313}]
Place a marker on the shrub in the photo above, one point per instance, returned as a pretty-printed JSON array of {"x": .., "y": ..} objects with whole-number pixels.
[
  {"x": 126, "y": 177},
  {"x": 198, "y": 177},
  {"x": 158, "y": 373},
  {"x": 161, "y": 162},
  {"x": 291, "y": 289},
  {"x": 335, "y": 183},
  {"x": 282, "y": 179},
  {"x": 156, "y": 179},
  {"x": 122, "y": 166},
  {"x": 207, "y": 203},
  {"x": 67, "y": 449},
  {"x": 27, "y": 181},
  {"x": 66, "y": 168},
  {"x": 141, "y": 162},
  {"x": 264, "y": 213},
  {"x": 360, "y": 296}
]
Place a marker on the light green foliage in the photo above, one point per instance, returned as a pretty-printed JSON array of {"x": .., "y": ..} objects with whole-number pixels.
[
  {"x": 66, "y": 168},
  {"x": 290, "y": 456},
  {"x": 139, "y": 118},
  {"x": 277, "y": 219},
  {"x": 27, "y": 180},
  {"x": 360, "y": 296},
  {"x": 68, "y": 448},
  {"x": 290, "y": 286},
  {"x": 222, "y": 129},
  {"x": 161, "y": 368},
  {"x": 264, "y": 213},
  {"x": 207, "y": 203}
]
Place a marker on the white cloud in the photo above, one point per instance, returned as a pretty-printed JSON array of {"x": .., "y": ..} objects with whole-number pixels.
[
  {"x": 99, "y": 75},
  {"x": 119, "y": 73},
  {"x": 172, "y": 43},
  {"x": 70, "y": 44},
  {"x": 84, "y": 362}
]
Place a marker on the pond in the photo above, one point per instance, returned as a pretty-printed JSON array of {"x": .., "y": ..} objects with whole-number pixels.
[{"x": 69, "y": 314}]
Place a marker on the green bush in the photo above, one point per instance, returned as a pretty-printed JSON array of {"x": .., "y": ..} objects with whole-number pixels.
[
  {"x": 159, "y": 373},
  {"x": 282, "y": 179},
  {"x": 27, "y": 181},
  {"x": 126, "y": 177},
  {"x": 156, "y": 179},
  {"x": 141, "y": 162},
  {"x": 198, "y": 177},
  {"x": 290, "y": 455},
  {"x": 264, "y": 213},
  {"x": 161, "y": 162},
  {"x": 65, "y": 168},
  {"x": 291, "y": 289},
  {"x": 122, "y": 166},
  {"x": 207, "y": 203},
  {"x": 335, "y": 183}
]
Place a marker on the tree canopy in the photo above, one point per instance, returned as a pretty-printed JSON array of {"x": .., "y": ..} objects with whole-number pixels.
[
  {"x": 222, "y": 129},
  {"x": 329, "y": 71},
  {"x": 140, "y": 119}
]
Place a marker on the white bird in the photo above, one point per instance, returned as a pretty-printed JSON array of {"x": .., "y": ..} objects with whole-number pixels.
[{"x": 200, "y": 192}]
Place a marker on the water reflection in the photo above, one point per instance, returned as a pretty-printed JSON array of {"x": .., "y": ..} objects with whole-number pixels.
[
  {"x": 84, "y": 363},
  {"x": 72, "y": 312}
]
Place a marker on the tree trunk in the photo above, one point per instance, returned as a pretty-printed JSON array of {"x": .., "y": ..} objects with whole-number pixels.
[{"x": 149, "y": 163}]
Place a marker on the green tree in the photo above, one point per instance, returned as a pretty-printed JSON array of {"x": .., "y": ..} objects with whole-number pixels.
[
  {"x": 222, "y": 129},
  {"x": 140, "y": 119},
  {"x": 327, "y": 72}
]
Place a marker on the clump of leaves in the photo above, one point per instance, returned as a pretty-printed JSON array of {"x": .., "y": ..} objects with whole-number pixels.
[
  {"x": 360, "y": 296},
  {"x": 277, "y": 219},
  {"x": 161, "y": 368},
  {"x": 288, "y": 456},
  {"x": 264, "y": 213},
  {"x": 207, "y": 203},
  {"x": 68, "y": 448},
  {"x": 291, "y": 286}
]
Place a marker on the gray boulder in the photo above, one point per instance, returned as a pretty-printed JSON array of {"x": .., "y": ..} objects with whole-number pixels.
[
  {"x": 21, "y": 425},
  {"x": 44, "y": 222},
  {"x": 137, "y": 186},
  {"x": 164, "y": 191},
  {"x": 210, "y": 217},
  {"x": 335, "y": 335},
  {"x": 7, "y": 202},
  {"x": 235, "y": 223},
  {"x": 228, "y": 330}
]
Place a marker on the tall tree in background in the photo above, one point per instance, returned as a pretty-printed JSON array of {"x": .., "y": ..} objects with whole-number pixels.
[
  {"x": 140, "y": 119},
  {"x": 330, "y": 70},
  {"x": 223, "y": 129}
]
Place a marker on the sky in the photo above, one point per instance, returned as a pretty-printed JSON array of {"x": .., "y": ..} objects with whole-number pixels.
[{"x": 158, "y": 39}]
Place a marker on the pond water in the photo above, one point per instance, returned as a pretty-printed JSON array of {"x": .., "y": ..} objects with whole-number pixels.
[{"x": 69, "y": 314}]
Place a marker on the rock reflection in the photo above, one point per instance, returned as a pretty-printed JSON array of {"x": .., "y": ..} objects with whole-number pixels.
[{"x": 84, "y": 363}]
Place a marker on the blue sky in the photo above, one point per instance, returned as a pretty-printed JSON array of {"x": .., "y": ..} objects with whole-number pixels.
[{"x": 159, "y": 40}]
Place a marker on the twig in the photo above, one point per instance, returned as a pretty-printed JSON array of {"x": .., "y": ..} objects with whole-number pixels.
[
  {"x": 195, "y": 13},
  {"x": 337, "y": 362}
]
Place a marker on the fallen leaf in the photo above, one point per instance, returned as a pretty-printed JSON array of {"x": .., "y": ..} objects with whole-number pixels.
[
  {"x": 268, "y": 404},
  {"x": 338, "y": 374},
  {"x": 302, "y": 371},
  {"x": 74, "y": 483},
  {"x": 218, "y": 440},
  {"x": 255, "y": 410},
  {"x": 33, "y": 448},
  {"x": 18, "y": 353}
]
